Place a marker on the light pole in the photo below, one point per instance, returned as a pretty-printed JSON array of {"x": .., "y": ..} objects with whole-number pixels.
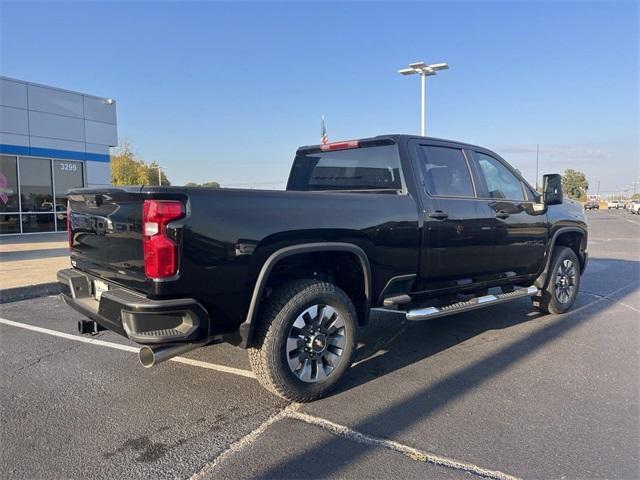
[
  {"x": 424, "y": 71},
  {"x": 537, "y": 162},
  {"x": 160, "y": 175}
]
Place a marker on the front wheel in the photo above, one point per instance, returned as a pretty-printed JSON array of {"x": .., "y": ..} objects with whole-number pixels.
[
  {"x": 563, "y": 282},
  {"x": 305, "y": 340}
]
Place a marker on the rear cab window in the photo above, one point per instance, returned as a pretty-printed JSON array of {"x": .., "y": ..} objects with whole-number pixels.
[
  {"x": 366, "y": 168},
  {"x": 446, "y": 172}
]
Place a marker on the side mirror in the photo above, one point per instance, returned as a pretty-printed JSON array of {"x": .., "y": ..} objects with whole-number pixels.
[{"x": 552, "y": 189}]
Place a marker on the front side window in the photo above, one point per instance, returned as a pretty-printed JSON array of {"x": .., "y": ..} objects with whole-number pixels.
[
  {"x": 500, "y": 182},
  {"x": 447, "y": 173},
  {"x": 365, "y": 168}
]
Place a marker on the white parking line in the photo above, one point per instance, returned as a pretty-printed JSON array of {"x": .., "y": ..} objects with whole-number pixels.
[
  {"x": 412, "y": 453},
  {"x": 291, "y": 411},
  {"x": 127, "y": 348},
  {"x": 214, "y": 366},
  {"x": 617, "y": 302},
  {"x": 244, "y": 442},
  {"x": 68, "y": 336}
]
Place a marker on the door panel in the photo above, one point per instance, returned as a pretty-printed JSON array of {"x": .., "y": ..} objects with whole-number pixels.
[
  {"x": 457, "y": 249},
  {"x": 520, "y": 237},
  {"x": 457, "y": 241},
  {"x": 519, "y": 229}
]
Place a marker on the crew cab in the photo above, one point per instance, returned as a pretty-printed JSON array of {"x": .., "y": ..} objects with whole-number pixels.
[{"x": 424, "y": 226}]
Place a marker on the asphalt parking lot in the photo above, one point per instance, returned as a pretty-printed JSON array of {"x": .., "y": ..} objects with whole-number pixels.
[{"x": 501, "y": 393}]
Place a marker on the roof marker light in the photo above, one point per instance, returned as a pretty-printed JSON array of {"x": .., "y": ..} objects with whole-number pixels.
[{"x": 344, "y": 145}]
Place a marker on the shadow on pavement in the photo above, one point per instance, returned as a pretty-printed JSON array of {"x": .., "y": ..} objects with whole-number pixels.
[
  {"x": 438, "y": 335},
  {"x": 379, "y": 356},
  {"x": 34, "y": 254}
]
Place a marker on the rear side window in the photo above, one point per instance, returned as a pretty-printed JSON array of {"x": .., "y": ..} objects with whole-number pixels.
[
  {"x": 500, "y": 182},
  {"x": 447, "y": 173},
  {"x": 367, "y": 168}
]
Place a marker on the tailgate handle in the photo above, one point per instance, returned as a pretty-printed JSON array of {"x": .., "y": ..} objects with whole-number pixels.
[{"x": 439, "y": 214}]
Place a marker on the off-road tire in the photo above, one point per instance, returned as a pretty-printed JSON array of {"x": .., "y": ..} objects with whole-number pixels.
[
  {"x": 546, "y": 300},
  {"x": 267, "y": 354}
]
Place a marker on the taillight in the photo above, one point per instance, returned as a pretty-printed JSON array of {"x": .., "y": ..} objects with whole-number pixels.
[
  {"x": 345, "y": 145},
  {"x": 160, "y": 251}
]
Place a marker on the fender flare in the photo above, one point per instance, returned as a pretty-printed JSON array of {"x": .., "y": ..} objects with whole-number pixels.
[
  {"x": 244, "y": 333},
  {"x": 542, "y": 278}
]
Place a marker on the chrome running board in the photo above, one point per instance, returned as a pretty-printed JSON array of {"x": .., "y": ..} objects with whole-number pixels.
[{"x": 478, "y": 302}]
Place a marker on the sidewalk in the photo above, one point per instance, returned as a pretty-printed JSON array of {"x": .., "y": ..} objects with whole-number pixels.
[{"x": 32, "y": 259}]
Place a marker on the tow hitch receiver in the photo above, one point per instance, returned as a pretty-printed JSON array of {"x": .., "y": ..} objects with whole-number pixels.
[{"x": 89, "y": 327}]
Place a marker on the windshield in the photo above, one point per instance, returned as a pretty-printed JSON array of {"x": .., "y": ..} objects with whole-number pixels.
[{"x": 368, "y": 168}]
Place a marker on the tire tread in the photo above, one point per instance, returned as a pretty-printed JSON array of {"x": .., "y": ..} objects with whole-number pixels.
[
  {"x": 263, "y": 359},
  {"x": 544, "y": 300}
]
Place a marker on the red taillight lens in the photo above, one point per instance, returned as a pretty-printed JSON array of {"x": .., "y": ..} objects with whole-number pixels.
[{"x": 160, "y": 251}]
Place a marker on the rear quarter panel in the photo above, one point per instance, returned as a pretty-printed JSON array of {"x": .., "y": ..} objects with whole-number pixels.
[{"x": 229, "y": 234}]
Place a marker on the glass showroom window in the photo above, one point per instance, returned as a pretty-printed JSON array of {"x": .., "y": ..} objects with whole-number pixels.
[
  {"x": 66, "y": 175},
  {"x": 28, "y": 187},
  {"x": 9, "y": 202},
  {"x": 36, "y": 195}
]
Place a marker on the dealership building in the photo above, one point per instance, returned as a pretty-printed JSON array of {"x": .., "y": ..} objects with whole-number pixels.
[{"x": 51, "y": 140}]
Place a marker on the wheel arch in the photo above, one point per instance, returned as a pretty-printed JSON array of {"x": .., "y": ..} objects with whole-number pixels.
[
  {"x": 572, "y": 237},
  {"x": 245, "y": 332}
]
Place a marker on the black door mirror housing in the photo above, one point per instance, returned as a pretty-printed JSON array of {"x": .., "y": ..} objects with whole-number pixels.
[{"x": 552, "y": 189}]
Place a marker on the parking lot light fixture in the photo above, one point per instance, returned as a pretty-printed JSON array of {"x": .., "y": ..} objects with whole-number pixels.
[{"x": 424, "y": 70}]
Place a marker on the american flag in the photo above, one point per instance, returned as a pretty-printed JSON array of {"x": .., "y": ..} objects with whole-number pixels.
[{"x": 324, "y": 138}]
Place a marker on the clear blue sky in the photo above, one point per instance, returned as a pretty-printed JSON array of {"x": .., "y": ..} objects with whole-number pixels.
[{"x": 227, "y": 91}]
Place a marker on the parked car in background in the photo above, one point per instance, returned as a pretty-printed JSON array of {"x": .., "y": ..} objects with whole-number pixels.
[{"x": 592, "y": 205}]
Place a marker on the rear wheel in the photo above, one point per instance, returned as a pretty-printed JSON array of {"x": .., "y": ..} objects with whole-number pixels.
[
  {"x": 305, "y": 340},
  {"x": 563, "y": 282}
]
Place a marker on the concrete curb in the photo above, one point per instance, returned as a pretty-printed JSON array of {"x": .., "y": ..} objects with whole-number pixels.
[{"x": 29, "y": 291}]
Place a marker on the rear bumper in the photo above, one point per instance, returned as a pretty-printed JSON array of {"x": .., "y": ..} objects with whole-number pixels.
[{"x": 133, "y": 315}]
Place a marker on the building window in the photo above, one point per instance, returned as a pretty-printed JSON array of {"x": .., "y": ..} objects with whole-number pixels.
[
  {"x": 66, "y": 175},
  {"x": 33, "y": 193},
  {"x": 36, "y": 187},
  {"x": 8, "y": 184},
  {"x": 37, "y": 222},
  {"x": 9, "y": 223},
  {"x": 9, "y": 204}
]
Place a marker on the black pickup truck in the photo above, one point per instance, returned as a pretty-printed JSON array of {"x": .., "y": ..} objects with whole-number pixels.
[{"x": 419, "y": 225}]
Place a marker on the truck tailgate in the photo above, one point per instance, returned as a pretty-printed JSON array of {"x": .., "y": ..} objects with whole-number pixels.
[{"x": 105, "y": 228}]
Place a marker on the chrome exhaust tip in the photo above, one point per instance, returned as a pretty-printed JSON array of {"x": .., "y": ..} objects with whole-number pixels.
[{"x": 151, "y": 356}]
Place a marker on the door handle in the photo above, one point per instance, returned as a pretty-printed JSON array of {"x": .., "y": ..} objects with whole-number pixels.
[
  {"x": 502, "y": 214},
  {"x": 439, "y": 214}
]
